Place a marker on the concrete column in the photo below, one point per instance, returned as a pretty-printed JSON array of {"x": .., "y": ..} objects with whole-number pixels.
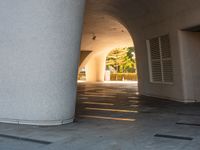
[
  {"x": 39, "y": 55},
  {"x": 95, "y": 68}
]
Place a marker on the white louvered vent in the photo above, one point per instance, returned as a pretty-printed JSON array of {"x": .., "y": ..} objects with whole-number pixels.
[
  {"x": 155, "y": 60},
  {"x": 160, "y": 61}
]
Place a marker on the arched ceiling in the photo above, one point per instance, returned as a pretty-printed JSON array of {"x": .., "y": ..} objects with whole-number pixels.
[
  {"x": 104, "y": 33},
  {"x": 102, "y": 29}
]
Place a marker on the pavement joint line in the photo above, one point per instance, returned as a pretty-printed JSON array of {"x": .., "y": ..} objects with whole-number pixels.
[{"x": 25, "y": 139}]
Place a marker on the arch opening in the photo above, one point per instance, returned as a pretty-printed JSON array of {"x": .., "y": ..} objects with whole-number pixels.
[
  {"x": 97, "y": 42},
  {"x": 98, "y": 98},
  {"x": 121, "y": 65}
]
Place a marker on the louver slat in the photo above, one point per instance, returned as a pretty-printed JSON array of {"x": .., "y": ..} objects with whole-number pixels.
[
  {"x": 165, "y": 46},
  {"x": 160, "y": 59},
  {"x": 166, "y": 58},
  {"x": 156, "y": 71},
  {"x": 167, "y": 71},
  {"x": 155, "y": 50},
  {"x": 155, "y": 60}
]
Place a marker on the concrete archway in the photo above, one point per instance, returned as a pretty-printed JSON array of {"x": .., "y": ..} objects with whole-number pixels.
[
  {"x": 40, "y": 45},
  {"x": 145, "y": 21},
  {"x": 109, "y": 33}
]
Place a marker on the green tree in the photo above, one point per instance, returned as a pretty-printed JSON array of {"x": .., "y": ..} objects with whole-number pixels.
[{"x": 121, "y": 60}]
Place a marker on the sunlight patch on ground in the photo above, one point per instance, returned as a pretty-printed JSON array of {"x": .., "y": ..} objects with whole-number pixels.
[
  {"x": 97, "y": 103},
  {"x": 106, "y": 118},
  {"x": 112, "y": 110}
]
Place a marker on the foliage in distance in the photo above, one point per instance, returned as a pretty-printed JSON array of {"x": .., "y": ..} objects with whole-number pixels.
[{"x": 121, "y": 60}]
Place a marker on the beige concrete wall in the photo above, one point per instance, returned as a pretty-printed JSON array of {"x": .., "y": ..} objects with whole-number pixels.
[
  {"x": 148, "y": 19},
  {"x": 183, "y": 88},
  {"x": 39, "y": 55},
  {"x": 95, "y": 67},
  {"x": 168, "y": 20},
  {"x": 190, "y": 50},
  {"x": 83, "y": 56}
]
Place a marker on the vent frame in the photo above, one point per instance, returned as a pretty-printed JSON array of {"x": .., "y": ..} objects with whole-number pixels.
[{"x": 166, "y": 75}]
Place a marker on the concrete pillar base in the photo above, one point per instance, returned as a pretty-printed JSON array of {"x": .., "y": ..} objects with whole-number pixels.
[
  {"x": 95, "y": 68},
  {"x": 37, "y": 122},
  {"x": 39, "y": 60}
]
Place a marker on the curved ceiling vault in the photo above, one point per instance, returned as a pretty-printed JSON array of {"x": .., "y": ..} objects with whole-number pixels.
[{"x": 102, "y": 29}]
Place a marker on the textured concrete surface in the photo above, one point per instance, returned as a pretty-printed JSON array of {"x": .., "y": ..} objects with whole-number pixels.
[
  {"x": 112, "y": 117},
  {"x": 144, "y": 20},
  {"x": 39, "y": 42}
]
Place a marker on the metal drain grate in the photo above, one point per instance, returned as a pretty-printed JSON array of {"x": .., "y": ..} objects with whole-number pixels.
[
  {"x": 186, "y": 114},
  {"x": 188, "y": 124},
  {"x": 25, "y": 139},
  {"x": 173, "y": 137}
]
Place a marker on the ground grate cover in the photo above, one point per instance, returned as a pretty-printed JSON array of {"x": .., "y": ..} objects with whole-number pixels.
[
  {"x": 173, "y": 137},
  {"x": 25, "y": 139}
]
